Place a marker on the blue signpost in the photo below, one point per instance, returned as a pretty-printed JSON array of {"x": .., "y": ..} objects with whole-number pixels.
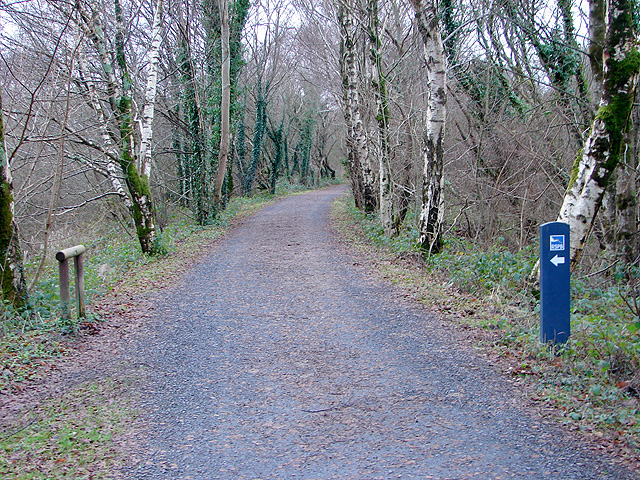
[{"x": 555, "y": 288}]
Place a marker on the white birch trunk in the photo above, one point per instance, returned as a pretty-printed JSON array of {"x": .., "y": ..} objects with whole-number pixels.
[
  {"x": 584, "y": 196},
  {"x": 111, "y": 169},
  {"x": 138, "y": 185},
  {"x": 347, "y": 53},
  {"x": 359, "y": 147},
  {"x": 92, "y": 27},
  {"x": 602, "y": 150},
  {"x": 120, "y": 98},
  {"x": 146, "y": 128},
  {"x": 432, "y": 209}
]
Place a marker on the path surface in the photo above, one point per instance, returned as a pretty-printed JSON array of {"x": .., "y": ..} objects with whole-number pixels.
[{"x": 277, "y": 358}]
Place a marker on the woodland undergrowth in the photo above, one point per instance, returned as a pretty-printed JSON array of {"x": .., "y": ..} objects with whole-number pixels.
[{"x": 592, "y": 384}]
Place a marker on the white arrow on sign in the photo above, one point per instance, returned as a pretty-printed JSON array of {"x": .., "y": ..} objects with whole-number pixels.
[{"x": 557, "y": 260}]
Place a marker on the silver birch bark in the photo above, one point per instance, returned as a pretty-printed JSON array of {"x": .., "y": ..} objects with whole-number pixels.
[
  {"x": 146, "y": 128},
  {"x": 120, "y": 98},
  {"x": 110, "y": 147},
  {"x": 92, "y": 26},
  {"x": 432, "y": 209},
  {"x": 602, "y": 150},
  {"x": 347, "y": 50},
  {"x": 378, "y": 84},
  {"x": 138, "y": 184},
  {"x": 357, "y": 138},
  {"x": 225, "y": 105}
]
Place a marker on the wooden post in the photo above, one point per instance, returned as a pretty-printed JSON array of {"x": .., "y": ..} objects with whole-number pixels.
[
  {"x": 63, "y": 257},
  {"x": 79, "y": 264},
  {"x": 64, "y": 289}
]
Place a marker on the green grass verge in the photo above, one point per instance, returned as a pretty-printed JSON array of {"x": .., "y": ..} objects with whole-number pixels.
[
  {"x": 72, "y": 436},
  {"x": 593, "y": 382}
]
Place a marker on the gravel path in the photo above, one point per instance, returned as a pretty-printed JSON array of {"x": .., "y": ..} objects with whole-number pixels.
[{"x": 277, "y": 358}]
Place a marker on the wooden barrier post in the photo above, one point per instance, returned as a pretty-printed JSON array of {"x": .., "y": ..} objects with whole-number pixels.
[
  {"x": 63, "y": 257},
  {"x": 64, "y": 289},
  {"x": 79, "y": 268}
]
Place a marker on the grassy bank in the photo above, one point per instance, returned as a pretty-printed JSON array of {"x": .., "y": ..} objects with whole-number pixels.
[
  {"x": 593, "y": 383},
  {"x": 72, "y": 436}
]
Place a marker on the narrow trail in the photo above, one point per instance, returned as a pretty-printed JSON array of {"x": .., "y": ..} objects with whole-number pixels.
[{"x": 277, "y": 358}]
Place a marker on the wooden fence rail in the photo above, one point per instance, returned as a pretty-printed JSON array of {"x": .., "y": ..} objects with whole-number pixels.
[{"x": 63, "y": 257}]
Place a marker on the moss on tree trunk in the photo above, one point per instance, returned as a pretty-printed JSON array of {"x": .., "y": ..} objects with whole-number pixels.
[{"x": 14, "y": 288}]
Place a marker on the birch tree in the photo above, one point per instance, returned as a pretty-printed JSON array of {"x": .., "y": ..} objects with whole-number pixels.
[
  {"x": 602, "y": 152},
  {"x": 349, "y": 76},
  {"x": 137, "y": 182},
  {"x": 432, "y": 209},
  {"x": 148, "y": 110},
  {"x": 362, "y": 177},
  {"x": 132, "y": 145}
]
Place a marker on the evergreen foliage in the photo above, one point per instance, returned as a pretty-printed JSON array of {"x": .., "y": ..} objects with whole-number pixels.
[
  {"x": 259, "y": 129},
  {"x": 277, "y": 137}
]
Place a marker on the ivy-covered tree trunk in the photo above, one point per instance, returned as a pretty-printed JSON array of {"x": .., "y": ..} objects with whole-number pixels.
[
  {"x": 378, "y": 83},
  {"x": 602, "y": 151},
  {"x": 211, "y": 101},
  {"x": 181, "y": 164},
  {"x": 362, "y": 177},
  {"x": 432, "y": 209},
  {"x": 277, "y": 137},
  {"x": 137, "y": 183},
  {"x": 285, "y": 155},
  {"x": 620, "y": 211},
  {"x": 304, "y": 149},
  {"x": 619, "y": 217},
  {"x": 196, "y": 165},
  {"x": 238, "y": 14},
  {"x": 223, "y": 21},
  {"x": 240, "y": 145},
  {"x": 258, "y": 134},
  {"x": 14, "y": 287},
  {"x": 628, "y": 234},
  {"x": 296, "y": 159}
]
